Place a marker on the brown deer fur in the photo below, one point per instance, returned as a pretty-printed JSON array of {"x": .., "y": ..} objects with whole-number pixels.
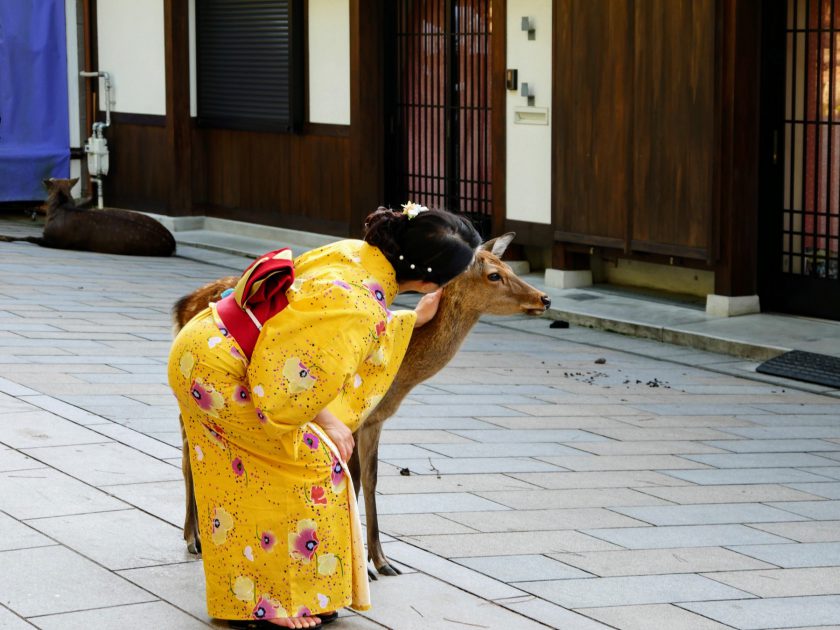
[{"x": 488, "y": 286}]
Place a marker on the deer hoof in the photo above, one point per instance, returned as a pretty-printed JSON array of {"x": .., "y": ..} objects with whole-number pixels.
[
  {"x": 194, "y": 547},
  {"x": 372, "y": 574},
  {"x": 387, "y": 569}
]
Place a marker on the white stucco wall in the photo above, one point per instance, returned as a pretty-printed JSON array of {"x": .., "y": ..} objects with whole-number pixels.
[
  {"x": 529, "y": 145},
  {"x": 328, "y": 37},
  {"x": 131, "y": 49}
]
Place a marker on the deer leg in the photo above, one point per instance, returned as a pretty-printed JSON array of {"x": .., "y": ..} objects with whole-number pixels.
[
  {"x": 368, "y": 445},
  {"x": 354, "y": 466},
  {"x": 191, "y": 535}
]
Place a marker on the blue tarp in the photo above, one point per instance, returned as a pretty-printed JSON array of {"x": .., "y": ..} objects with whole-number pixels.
[{"x": 34, "y": 121}]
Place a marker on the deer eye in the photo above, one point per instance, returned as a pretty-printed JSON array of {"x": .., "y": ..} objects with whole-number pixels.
[{"x": 494, "y": 277}]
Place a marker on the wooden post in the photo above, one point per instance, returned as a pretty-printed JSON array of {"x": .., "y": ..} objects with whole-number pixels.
[{"x": 178, "y": 122}]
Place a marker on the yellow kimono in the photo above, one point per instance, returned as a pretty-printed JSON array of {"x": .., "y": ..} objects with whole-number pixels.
[{"x": 277, "y": 514}]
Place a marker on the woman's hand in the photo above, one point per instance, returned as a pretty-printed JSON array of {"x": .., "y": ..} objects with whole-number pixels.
[
  {"x": 339, "y": 433},
  {"x": 427, "y": 308}
]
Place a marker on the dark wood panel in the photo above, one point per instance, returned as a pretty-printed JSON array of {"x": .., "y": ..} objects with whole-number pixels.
[
  {"x": 674, "y": 122},
  {"x": 140, "y": 167},
  {"x": 273, "y": 179},
  {"x": 593, "y": 115}
]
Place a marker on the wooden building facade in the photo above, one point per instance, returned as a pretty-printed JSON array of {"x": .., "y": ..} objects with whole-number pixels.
[{"x": 691, "y": 135}]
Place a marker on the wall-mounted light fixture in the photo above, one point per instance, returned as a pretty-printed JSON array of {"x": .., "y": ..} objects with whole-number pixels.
[
  {"x": 528, "y": 25},
  {"x": 527, "y": 91}
]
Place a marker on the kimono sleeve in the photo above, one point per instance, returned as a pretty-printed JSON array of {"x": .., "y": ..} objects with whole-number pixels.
[
  {"x": 304, "y": 357},
  {"x": 376, "y": 372}
]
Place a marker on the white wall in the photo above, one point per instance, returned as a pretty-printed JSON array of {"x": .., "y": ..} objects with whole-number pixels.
[
  {"x": 328, "y": 37},
  {"x": 131, "y": 49},
  {"x": 529, "y": 145}
]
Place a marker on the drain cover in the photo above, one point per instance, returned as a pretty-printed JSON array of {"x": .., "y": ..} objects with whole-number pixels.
[{"x": 804, "y": 366}]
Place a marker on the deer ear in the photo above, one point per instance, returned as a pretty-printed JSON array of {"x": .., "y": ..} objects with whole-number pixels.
[
  {"x": 47, "y": 183},
  {"x": 74, "y": 181},
  {"x": 498, "y": 245}
]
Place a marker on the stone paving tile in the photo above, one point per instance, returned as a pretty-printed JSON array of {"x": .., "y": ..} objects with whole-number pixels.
[
  {"x": 774, "y": 446},
  {"x": 102, "y": 538},
  {"x": 650, "y": 447},
  {"x": 510, "y": 543},
  {"x": 550, "y": 614},
  {"x": 471, "y": 399},
  {"x": 688, "y": 495},
  {"x": 450, "y": 572},
  {"x": 421, "y": 437},
  {"x": 720, "y": 422},
  {"x": 448, "y": 483},
  {"x": 796, "y": 409},
  {"x": 17, "y": 535},
  {"x": 725, "y": 476},
  {"x": 628, "y": 591},
  {"x": 128, "y": 617},
  {"x": 427, "y": 503},
  {"x": 826, "y": 489},
  {"x": 182, "y": 585},
  {"x": 797, "y": 420},
  {"x": 405, "y": 451},
  {"x": 163, "y": 499},
  {"x": 762, "y": 460},
  {"x": 48, "y": 580},
  {"x": 47, "y": 492},
  {"x": 816, "y": 510},
  {"x": 624, "y": 462},
  {"x": 105, "y": 464},
  {"x": 39, "y": 428},
  {"x": 788, "y": 432},
  {"x": 533, "y": 520},
  {"x": 700, "y": 410},
  {"x": 11, "y": 459},
  {"x": 443, "y": 422},
  {"x": 821, "y": 554},
  {"x": 652, "y": 617},
  {"x": 139, "y": 441},
  {"x": 623, "y": 479},
  {"x": 435, "y": 604},
  {"x": 420, "y": 525},
  {"x": 832, "y": 472},
  {"x": 10, "y": 621},
  {"x": 511, "y": 449},
  {"x": 573, "y": 410},
  {"x": 457, "y": 411},
  {"x": 712, "y": 514},
  {"x": 504, "y": 436},
  {"x": 806, "y": 532},
  {"x": 666, "y": 537},
  {"x": 675, "y": 434},
  {"x": 660, "y": 561},
  {"x": 549, "y": 422},
  {"x": 474, "y": 388},
  {"x": 435, "y": 466},
  {"x": 782, "y": 582},
  {"x": 522, "y": 568},
  {"x": 786, "y": 612},
  {"x": 65, "y": 410},
  {"x": 577, "y": 498}
]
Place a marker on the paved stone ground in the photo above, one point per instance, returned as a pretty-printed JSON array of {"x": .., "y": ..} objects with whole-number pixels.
[{"x": 546, "y": 489}]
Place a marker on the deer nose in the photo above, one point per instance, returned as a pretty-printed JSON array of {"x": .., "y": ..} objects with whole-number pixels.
[{"x": 545, "y": 300}]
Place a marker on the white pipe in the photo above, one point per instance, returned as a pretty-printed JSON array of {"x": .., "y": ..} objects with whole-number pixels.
[{"x": 99, "y": 126}]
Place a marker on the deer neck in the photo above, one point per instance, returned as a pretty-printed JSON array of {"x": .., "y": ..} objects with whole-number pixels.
[{"x": 450, "y": 326}]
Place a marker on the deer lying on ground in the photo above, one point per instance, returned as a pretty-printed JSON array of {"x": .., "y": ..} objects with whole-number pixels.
[
  {"x": 488, "y": 286},
  {"x": 108, "y": 231}
]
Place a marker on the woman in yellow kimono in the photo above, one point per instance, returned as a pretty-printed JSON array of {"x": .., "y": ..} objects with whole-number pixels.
[{"x": 269, "y": 419}]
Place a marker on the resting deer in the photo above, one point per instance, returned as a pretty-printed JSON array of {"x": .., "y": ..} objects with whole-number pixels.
[
  {"x": 488, "y": 286},
  {"x": 72, "y": 225}
]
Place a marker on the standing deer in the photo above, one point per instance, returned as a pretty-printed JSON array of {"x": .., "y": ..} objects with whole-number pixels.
[{"x": 488, "y": 286}]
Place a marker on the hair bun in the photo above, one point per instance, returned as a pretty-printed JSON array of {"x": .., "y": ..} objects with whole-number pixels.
[{"x": 383, "y": 228}]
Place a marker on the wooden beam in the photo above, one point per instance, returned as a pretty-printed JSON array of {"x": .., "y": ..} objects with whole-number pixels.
[{"x": 178, "y": 122}]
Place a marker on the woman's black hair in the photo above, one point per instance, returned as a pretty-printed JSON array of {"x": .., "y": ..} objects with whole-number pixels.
[{"x": 434, "y": 246}]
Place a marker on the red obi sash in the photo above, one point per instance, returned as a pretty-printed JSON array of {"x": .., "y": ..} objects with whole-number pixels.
[{"x": 258, "y": 295}]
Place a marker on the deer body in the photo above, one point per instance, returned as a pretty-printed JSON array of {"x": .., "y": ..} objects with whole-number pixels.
[
  {"x": 488, "y": 286},
  {"x": 107, "y": 231}
]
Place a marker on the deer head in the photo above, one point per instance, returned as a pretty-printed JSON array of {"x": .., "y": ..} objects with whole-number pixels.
[{"x": 490, "y": 286}]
